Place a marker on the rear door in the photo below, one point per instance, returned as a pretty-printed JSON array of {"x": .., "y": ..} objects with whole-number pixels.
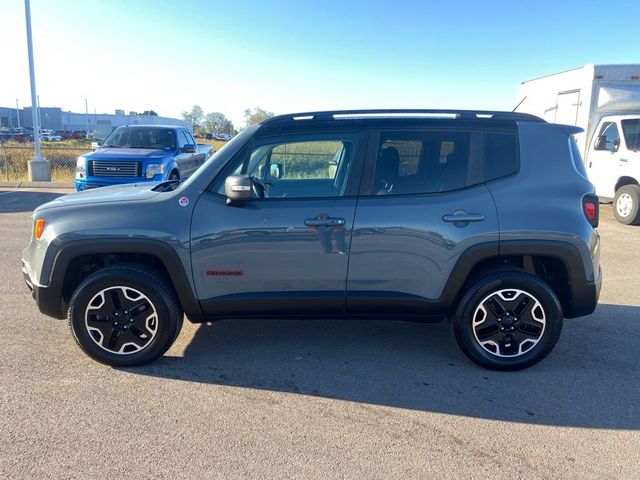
[
  {"x": 287, "y": 249},
  {"x": 424, "y": 206},
  {"x": 567, "y": 105}
]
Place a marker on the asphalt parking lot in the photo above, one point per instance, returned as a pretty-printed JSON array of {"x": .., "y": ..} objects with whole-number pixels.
[{"x": 319, "y": 399}]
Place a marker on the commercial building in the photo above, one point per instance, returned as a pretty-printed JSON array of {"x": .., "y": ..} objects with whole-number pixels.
[{"x": 101, "y": 124}]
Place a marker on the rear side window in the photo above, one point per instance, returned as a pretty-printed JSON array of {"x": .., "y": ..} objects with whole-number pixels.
[
  {"x": 426, "y": 162},
  {"x": 500, "y": 155}
]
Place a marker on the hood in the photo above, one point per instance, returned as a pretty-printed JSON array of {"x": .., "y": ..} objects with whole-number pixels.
[
  {"x": 131, "y": 192},
  {"x": 111, "y": 153}
]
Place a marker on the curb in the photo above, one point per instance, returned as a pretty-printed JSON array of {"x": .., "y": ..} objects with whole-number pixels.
[{"x": 36, "y": 185}]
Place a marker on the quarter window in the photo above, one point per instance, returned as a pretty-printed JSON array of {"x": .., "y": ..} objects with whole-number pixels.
[{"x": 500, "y": 155}]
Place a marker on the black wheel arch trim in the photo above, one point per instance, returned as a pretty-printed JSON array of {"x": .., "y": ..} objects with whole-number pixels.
[
  {"x": 57, "y": 259},
  {"x": 584, "y": 290}
]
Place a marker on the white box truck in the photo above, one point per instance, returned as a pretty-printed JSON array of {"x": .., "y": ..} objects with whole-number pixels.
[{"x": 603, "y": 100}]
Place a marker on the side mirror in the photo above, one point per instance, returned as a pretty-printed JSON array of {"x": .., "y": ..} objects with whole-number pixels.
[
  {"x": 601, "y": 143},
  {"x": 189, "y": 148},
  {"x": 276, "y": 170},
  {"x": 237, "y": 188}
]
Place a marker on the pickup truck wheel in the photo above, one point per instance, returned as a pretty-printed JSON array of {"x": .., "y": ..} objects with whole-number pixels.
[
  {"x": 626, "y": 205},
  {"x": 174, "y": 176},
  {"x": 124, "y": 315},
  {"x": 508, "y": 321}
]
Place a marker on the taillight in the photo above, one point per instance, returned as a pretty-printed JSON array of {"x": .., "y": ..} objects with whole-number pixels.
[
  {"x": 591, "y": 208},
  {"x": 38, "y": 228}
]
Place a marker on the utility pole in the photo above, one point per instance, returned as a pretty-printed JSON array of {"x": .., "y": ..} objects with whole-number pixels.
[
  {"x": 39, "y": 168},
  {"x": 18, "y": 112},
  {"x": 86, "y": 111}
]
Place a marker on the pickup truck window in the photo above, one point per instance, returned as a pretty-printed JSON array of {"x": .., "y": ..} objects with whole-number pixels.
[
  {"x": 183, "y": 139},
  {"x": 149, "y": 138},
  {"x": 631, "y": 130}
]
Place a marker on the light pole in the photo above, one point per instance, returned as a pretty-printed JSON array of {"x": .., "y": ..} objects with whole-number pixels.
[
  {"x": 39, "y": 168},
  {"x": 18, "y": 112}
]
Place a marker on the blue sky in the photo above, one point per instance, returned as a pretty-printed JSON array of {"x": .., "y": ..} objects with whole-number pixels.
[{"x": 302, "y": 55}]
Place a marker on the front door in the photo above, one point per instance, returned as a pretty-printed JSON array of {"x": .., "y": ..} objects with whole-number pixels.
[{"x": 287, "y": 249}]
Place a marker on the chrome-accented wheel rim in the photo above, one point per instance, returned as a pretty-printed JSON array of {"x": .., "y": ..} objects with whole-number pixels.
[
  {"x": 624, "y": 205},
  {"x": 508, "y": 323},
  {"x": 121, "y": 320}
]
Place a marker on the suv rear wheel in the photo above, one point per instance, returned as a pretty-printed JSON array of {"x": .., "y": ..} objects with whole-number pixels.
[
  {"x": 626, "y": 205},
  {"x": 508, "y": 321},
  {"x": 124, "y": 315}
]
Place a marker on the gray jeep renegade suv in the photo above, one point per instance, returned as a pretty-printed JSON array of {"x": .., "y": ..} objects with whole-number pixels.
[{"x": 483, "y": 218}]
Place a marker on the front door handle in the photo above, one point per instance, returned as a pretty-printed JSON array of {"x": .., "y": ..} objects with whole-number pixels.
[
  {"x": 324, "y": 222},
  {"x": 459, "y": 217},
  {"x": 623, "y": 160}
]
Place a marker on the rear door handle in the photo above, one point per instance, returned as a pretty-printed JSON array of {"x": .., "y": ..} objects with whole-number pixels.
[
  {"x": 324, "y": 222},
  {"x": 624, "y": 160},
  {"x": 462, "y": 217}
]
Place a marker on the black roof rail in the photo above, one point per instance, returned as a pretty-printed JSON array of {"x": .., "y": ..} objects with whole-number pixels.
[{"x": 399, "y": 113}]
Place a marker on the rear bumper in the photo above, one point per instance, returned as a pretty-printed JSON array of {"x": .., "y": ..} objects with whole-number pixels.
[{"x": 584, "y": 296}]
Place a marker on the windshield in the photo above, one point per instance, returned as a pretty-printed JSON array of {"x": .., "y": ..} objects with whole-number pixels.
[
  {"x": 150, "y": 138},
  {"x": 631, "y": 129}
]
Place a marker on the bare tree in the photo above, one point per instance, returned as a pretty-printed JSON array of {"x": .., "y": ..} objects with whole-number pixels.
[
  {"x": 195, "y": 116},
  {"x": 256, "y": 115}
]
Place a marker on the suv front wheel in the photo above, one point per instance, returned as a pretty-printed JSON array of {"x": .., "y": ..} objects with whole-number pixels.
[
  {"x": 508, "y": 321},
  {"x": 125, "y": 315}
]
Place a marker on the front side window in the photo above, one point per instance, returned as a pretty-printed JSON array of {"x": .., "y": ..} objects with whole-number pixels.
[
  {"x": 610, "y": 131},
  {"x": 425, "y": 162},
  {"x": 631, "y": 132},
  {"x": 298, "y": 167}
]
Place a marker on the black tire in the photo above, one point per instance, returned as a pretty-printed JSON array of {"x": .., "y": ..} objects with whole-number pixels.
[
  {"x": 142, "y": 334},
  {"x": 530, "y": 350},
  {"x": 626, "y": 205},
  {"x": 174, "y": 176}
]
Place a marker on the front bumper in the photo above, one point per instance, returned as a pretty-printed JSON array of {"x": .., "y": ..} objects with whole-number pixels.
[
  {"x": 96, "y": 182},
  {"x": 49, "y": 299}
]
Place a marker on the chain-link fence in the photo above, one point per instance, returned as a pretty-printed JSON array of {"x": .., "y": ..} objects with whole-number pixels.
[{"x": 14, "y": 160}]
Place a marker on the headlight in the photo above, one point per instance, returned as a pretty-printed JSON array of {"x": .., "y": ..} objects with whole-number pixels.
[
  {"x": 81, "y": 167},
  {"x": 154, "y": 169}
]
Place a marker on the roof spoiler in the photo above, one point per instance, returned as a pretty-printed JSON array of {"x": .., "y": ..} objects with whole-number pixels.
[{"x": 570, "y": 129}]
